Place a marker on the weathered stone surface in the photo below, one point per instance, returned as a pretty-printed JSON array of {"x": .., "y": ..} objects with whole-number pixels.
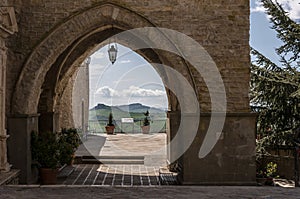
[
  {"x": 8, "y": 27},
  {"x": 80, "y": 98},
  {"x": 56, "y": 36},
  {"x": 215, "y": 25},
  {"x": 232, "y": 160},
  {"x": 19, "y": 148}
]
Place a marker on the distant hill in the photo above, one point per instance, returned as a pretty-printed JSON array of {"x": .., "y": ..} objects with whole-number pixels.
[
  {"x": 135, "y": 110},
  {"x": 101, "y": 106},
  {"x": 139, "y": 108}
]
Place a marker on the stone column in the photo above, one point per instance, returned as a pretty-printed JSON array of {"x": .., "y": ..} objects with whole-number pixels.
[
  {"x": 173, "y": 124},
  {"x": 47, "y": 122},
  {"x": 232, "y": 159},
  {"x": 19, "y": 151},
  {"x": 8, "y": 26},
  {"x": 4, "y": 166},
  {"x": 80, "y": 97}
]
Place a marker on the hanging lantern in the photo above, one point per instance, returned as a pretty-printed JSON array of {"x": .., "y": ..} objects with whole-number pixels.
[{"x": 112, "y": 53}]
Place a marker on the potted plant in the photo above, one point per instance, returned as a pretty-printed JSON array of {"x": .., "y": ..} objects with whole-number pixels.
[
  {"x": 45, "y": 150},
  {"x": 110, "y": 127},
  {"x": 146, "y": 123},
  {"x": 265, "y": 175},
  {"x": 69, "y": 141}
]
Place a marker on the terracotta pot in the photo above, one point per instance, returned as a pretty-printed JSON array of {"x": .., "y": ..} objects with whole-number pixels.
[
  {"x": 261, "y": 181},
  {"x": 269, "y": 181},
  {"x": 110, "y": 129},
  {"x": 145, "y": 129},
  {"x": 48, "y": 176},
  {"x": 265, "y": 181}
]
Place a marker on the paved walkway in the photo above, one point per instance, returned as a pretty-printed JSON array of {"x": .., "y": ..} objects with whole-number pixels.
[
  {"x": 190, "y": 192},
  {"x": 112, "y": 175},
  {"x": 127, "y": 160},
  {"x": 148, "y": 145},
  {"x": 146, "y": 149},
  {"x": 129, "y": 180}
]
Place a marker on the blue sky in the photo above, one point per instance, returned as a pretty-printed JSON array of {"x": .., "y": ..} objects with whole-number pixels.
[
  {"x": 132, "y": 80},
  {"x": 262, "y": 37}
]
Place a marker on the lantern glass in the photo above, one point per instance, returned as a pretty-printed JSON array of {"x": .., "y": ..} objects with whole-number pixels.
[{"x": 112, "y": 53}]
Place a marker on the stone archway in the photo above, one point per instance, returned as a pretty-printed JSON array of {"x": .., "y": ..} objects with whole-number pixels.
[
  {"x": 24, "y": 100},
  {"x": 46, "y": 73},
  {"x": 31, "y": 90},
  {"x": 66, "y": 65},
  {"x": 221, "y": 28}
]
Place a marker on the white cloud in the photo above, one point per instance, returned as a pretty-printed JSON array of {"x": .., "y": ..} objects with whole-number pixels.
[
  {"x": 135, "y": 91},
  {"x": 125, "y": 61},
  {"x": 98, "y": 55},
  {"x": 132, "y": 91},
  {"x": 106, "y": 92},
  {"x": 94, "y": 67},
  {"x": 291, "y": 6},
  {"x": 258, "y": 7}
]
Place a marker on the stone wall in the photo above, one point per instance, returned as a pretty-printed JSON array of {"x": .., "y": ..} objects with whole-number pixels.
[
  {"x": 80, "y": 97},
  {"x": 214, "y": 24},
  {"x": 56, "y": 36},
  {"x": 65, "y": 107},
  {"x": 232, "y": 160},
  {"x": 285, "y": 162}
]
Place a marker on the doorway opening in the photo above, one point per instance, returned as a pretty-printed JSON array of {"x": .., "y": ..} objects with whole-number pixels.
[{"x": 132, "y": 92}]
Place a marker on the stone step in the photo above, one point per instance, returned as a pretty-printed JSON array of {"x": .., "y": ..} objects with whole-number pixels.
[
  {"x": 112, "y": 160},
  {"x": 167, "y": 177}
]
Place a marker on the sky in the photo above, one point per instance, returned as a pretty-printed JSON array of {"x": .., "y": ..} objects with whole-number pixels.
[
  {"x": 133, "y": 80},
  {"x": 262, "y": 37}
]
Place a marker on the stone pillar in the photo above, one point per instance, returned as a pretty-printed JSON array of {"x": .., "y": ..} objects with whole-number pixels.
[
  {"x": 47, "y": 122},
  {"x": 232, "y": 159},
  {"x": 80, "y": 97},
  {"x": 19, "y": 151},
  {"x": 230, "y": 162},
  {"x": 8, "y": 26},
  {"x": 174, "y": 122},
  {"x": 4, "y": 166}
]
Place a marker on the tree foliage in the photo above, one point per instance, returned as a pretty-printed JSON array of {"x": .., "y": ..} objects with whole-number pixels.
[
  {"x": 287, "y": 30},
  {"x": 275, "y": 88}
]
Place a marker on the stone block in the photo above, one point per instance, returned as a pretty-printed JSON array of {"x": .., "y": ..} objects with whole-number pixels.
[
  {"x": 232, "y": 160},
  {"x": 19, "y": 151}
]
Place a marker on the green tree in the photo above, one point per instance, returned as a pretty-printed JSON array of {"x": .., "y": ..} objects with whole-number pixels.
[{"x": 275, "y": 88}]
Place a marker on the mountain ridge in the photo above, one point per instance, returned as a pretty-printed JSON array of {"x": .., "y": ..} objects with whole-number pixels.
[{"x": 134, "y": 108}]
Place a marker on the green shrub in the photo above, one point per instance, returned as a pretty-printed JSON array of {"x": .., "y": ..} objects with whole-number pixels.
[{"x": 45, "y": 149}]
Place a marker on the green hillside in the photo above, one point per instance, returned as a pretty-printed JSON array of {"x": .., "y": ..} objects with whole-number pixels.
[{"x": 98, "y": 117}]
